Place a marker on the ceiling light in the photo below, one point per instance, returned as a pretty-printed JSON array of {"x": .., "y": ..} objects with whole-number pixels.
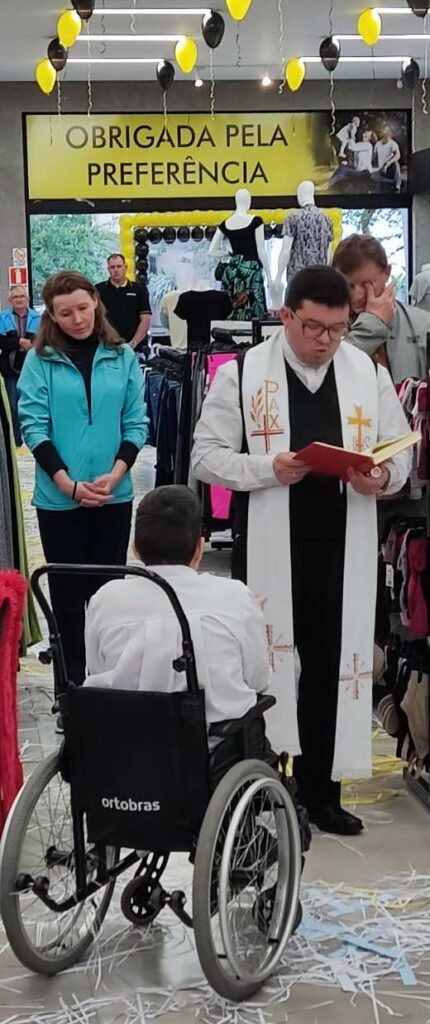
[
  {"x": 266, "y": 81},
  {"x": 102, "y": 11},
  {"x": 360, "y": 60},
  {"x": 393, "y": 10},
  {"x": 199, "y": 82},
  {"x": 114, "y": 60},
  {"x": 130, "y": 38},
  {"x": 392, "y": 38}
]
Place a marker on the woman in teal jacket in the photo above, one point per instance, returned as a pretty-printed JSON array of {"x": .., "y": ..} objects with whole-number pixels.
[{"x": 83, "y": 416}]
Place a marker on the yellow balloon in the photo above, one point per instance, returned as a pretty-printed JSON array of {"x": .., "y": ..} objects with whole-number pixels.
[
  {"x": 238, "y": 8},
  {"x": 295, "y": 73},
  {"x": 46, "y": 76},
  {"x": 369, "y": 26},
  {"x": 186, "y": 54},
  {"x": 69, "y": 26}
]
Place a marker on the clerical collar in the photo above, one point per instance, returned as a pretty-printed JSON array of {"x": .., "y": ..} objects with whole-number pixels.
[{"x": 311, "y": 376}]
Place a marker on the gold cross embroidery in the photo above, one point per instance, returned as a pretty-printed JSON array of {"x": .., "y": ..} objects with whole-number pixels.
[
  {"x": 356, "y": 678},
  {"x": 359, "y": 421},
  {"x": 265, "y": 413},
  {"x": 276, "y": 647}
]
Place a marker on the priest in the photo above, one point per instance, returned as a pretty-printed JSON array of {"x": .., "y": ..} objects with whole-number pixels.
[{"x": 307, "y": 545}]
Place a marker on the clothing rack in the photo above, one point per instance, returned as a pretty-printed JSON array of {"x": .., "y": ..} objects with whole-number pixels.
[{"x": 419, "y": 782}]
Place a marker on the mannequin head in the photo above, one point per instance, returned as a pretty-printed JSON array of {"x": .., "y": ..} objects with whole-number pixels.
[
  {"x": 306, "y": 193},
  {"x": 243, "y": 200}
]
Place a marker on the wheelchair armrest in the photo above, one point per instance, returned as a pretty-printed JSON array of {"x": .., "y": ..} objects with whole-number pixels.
[{"x": 230, "y": 726}]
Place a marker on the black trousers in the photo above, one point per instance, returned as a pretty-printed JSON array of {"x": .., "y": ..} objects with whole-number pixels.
[
  {"x": 83, "y": 536},
  {"x": 317, "y": 583}
]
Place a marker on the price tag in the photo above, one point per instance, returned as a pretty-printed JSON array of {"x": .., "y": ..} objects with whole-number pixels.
[{"x": 389, "y": 577}]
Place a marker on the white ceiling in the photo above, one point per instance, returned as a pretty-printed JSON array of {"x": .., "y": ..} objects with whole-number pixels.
[{"x": 27, "y": 27}]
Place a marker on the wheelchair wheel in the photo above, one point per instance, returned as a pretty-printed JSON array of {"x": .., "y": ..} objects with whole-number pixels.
[
  {"x": 246, "y": 880},
  {"x": 37, "y": 843}
]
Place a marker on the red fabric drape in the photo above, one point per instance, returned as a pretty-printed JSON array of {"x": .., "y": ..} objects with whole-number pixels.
[{"x": 13, "y": 588}]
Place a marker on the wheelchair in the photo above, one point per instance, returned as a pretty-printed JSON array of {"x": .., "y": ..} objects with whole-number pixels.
[{"x": 134, "y": 781}]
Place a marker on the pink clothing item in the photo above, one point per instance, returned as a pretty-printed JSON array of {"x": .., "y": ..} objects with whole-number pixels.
[
  {"x": 417, "y": 607},
  {"x": 220, "y": 496}
]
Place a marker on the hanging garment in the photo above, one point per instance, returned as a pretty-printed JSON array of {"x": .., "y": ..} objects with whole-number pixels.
[
  {"x": 243, "y": 280},
  {"x": 31, "y": 633},
  {"x": 312, "y": 232},
  {"x": 12, "y": 600},
  {"x": 415, "y": 704},
  {"x": 199, "y": 308},
  {"x": 6, "y": 534}
]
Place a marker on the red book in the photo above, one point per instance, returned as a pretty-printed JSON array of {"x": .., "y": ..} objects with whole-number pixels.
[{"x": 329, "y": 460}]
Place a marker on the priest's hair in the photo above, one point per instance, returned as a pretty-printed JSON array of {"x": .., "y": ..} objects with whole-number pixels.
[{"x": 323, "y": 285}]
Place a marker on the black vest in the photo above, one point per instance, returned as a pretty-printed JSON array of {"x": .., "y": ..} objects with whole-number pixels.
[{"x": 318, "y": 503}]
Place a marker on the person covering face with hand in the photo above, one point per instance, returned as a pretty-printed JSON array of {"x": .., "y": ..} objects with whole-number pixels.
[{"x": 392, "y": 333}]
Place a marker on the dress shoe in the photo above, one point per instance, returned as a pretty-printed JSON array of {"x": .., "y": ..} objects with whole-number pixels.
[{"x": 335, "y": 820}]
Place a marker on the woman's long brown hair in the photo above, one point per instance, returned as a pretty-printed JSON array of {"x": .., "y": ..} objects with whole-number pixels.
[{"x": 50, "y": 334}]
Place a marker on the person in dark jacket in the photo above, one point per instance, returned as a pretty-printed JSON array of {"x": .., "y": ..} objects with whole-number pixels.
[{"x": 19, "y": 324}]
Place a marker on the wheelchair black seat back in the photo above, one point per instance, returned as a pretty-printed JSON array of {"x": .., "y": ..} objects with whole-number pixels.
[
  {"x": 133, "y": 782},
  {"x": 138, "y": 765}
]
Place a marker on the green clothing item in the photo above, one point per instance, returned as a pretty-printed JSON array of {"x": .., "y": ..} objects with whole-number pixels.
[{"x": 31, "y": 633}]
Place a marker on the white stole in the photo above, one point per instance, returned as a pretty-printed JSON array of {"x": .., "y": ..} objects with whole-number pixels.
[{"x": 266, "y": 413}]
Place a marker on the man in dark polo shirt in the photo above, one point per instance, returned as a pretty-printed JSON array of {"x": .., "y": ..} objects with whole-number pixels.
[{"x": 126, "y": 302}]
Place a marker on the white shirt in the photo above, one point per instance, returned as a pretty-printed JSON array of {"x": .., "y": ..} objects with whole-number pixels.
[
  {"x": 216, "y": 457},
  {"x": 385, "y": 150},
  {"x": 363, "y": 155},
  {"x": 178, "y": 329},
  {"x": 347, "y": 133},
  {"x": 132, "y": 637}
]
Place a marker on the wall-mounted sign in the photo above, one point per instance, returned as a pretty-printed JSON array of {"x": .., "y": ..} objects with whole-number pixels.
[
  {"x": 138, "y": 156},
  {"x": 19, "y": 257},
  {"x": 18, "y": 275}
]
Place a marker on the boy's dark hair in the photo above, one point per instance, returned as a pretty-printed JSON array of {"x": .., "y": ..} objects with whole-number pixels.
[
  {"x": 318, "y": 284},
  {"x": 356, "y": 250},
  {"x": 168, "y": 526}
]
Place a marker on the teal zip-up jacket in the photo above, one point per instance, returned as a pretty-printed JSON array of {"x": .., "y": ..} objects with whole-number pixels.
[{"x": 53, "y": 406}]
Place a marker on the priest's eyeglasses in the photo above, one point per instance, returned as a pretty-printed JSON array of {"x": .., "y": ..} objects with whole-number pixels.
[{"x": 313, "y": 329}]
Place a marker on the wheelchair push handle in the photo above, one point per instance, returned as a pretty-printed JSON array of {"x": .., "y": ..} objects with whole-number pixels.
[{"x": 186, "y": 663}]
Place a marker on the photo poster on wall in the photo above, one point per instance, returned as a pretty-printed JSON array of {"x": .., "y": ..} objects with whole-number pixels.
[{"x": 139, "y": 156}]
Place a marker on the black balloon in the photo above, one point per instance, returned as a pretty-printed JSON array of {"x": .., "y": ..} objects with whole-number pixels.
[
  {"x": 155, "y": 236},
  {"x": 85, "y": 8},
  {"x": 279, "y": 231},
  {"x": 57, "y": 54},
  {"x": 184, "y": 234},
  {"x": 268, "y": 231},
  {"x": 419, "y": 7},
  {"x": 209, "y": 233},
  {"x": 213, "y": 27},
  {"x": 169, "y": 235},
  {"x": 142, "y": 249},
  {"x": 410, "y": 73},
  {"x": 142, "y": 278},
  {"x": 141, "y": 235},
  {"x": 142, "y": 266},
  {"x": 330, "y": 53},
  {"x": 165, "y": 74},
  {"x": 197, "y": 234}
]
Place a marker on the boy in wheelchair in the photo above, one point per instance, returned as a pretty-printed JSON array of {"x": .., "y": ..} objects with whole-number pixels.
[{"x": 133, "y": 635}]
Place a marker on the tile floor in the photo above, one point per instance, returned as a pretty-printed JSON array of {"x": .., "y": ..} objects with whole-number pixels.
[{"x": 361, "y": 886}]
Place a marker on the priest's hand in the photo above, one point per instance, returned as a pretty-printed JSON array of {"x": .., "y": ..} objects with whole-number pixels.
[
  {"x": 384, "y": 305},
  {"x": 288, "y": 469},
  {"x": 375, "y": 482}
]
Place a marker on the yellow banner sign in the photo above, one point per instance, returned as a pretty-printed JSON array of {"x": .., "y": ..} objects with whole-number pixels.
[{"x": 138, "y": 156}]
